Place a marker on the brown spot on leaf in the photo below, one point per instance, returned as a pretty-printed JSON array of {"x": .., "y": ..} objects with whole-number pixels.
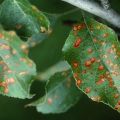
[
  {"x": 10, "y": 80},
  {"x": 88, "y": 63},
  {"x": 99, "y": 82},
  {"x": 79, "y": 27},
  {"x": 90, "y": 50},
  {"x": 84, "y": 71},
  {"x": 1, "y": 35},
  {"x": 75, "y": 75},
  {"x": 49, "y": 101},
  {"x": 75, "y": 28},
  {"x": 78, "y": 82},
  {"x": 77, "y": 42},
  {"x": 87, "y": 90},
  {"x": 116, "y": 95},
  {"x": 93, "y": 60},
  {"x": 101, "y": 67},
  {"x": 5, "y": 84},
  {"x": 6, "y": 90},
  {"x": 95, "y": 40},
  {"x": 75, "y": 64},
  {"x": 105, "y": 35}
]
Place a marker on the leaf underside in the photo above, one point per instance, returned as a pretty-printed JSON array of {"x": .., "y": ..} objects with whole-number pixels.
[
  {"x": 93, "y": 51},
  {"x": 16, "y": 69}
]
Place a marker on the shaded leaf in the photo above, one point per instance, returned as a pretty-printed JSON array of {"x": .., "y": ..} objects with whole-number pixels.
[
  {"x": 36, "y": 39},
  {"x": 93, "y": 51},
  {"x": 61, "y": 94},
  {"x": 40, "y": 37},
  {"x": 16, "y": 69},
  {"x": 58, "y": 67},
  {"x": 52, "y": 18},
  {"x": 25, "y": 19}
]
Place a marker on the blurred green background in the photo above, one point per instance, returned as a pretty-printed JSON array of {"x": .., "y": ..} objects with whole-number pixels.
[{"x": 45, "y": 55}]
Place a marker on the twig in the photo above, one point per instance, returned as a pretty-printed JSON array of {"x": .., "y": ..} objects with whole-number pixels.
[
  {"x": 92, "y": 7},
  {"x": 105, "y": 4},
  {"x": 68, "y": 12}
]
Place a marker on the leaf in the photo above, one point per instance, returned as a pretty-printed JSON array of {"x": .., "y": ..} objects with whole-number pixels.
[
  {"x": 40, "y": 37},
  {"x": 93, "y": 51},
  {"x": 36, "y": 39},
  {"x": 22, "y": 17},
  {"x": 61, "y": 94},
  {"x": 16, "y": 69},
  {"x": 58, "y": 67}
]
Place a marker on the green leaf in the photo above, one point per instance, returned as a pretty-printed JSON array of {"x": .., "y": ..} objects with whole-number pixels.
[
  {"x": 93, "y": 51},
  {"x": 61, "y": 94},
  {"x": 58, "y": 67},
  {"x": 40, "y": 37},
  {"x": 36, "y": 39},
  {"x": 21, "y": 16},
  {"x": 16, "y": 69}
]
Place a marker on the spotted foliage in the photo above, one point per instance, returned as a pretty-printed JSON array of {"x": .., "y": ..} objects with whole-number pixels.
[
  {"x": 16, "y": 69},
  {"x": 21, "y": 16},
  {"x": 61, "y": 94},
  {"x": 93, "y": 51}
]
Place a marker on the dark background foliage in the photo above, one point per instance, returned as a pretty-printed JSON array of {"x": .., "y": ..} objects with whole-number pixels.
[{"x": 45, "y": 55}]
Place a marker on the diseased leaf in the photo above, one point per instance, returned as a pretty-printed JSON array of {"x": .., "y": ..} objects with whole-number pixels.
[
  {"x": 36, "y": 39},
  {"x": 61, "y": 94},
  {"x": 16, "y": 69},
  {"x": 58, "y": 67},
  {"x": 21, "y": 16},
  {"x": 40, "y": 37},
  {"x": 93, "y": 51}
]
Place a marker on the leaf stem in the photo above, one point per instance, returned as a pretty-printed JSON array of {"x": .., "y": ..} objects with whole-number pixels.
[{"x": 68, "y": 12}]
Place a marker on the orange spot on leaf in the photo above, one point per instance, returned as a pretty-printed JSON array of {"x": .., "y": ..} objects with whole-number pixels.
[
  {"x": 88, "y": 63},
  {"x": 87, "y": 90},
  {"x": 93, "y": 60},
  {"x": 101, "y": 67},
  {"x": 1, "y": 35},
  {"x": 75, "y": 75},
  {"x": 77, "y": 42},
  {"x": 99, "y": 82},
  {"x": 90, "y": 50},
  {"x": 78, "y": 82},
  {"x": 75, "y": 64},
  {"x": 116, "y": 95},
  {"x": 105, "y": 35},
  {"x": 49, "y": 101}
]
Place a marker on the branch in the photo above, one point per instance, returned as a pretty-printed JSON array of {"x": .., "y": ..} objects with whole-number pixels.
[
  {"x": 109, "y": 15},
  {"x": 105, "y": 4}
]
